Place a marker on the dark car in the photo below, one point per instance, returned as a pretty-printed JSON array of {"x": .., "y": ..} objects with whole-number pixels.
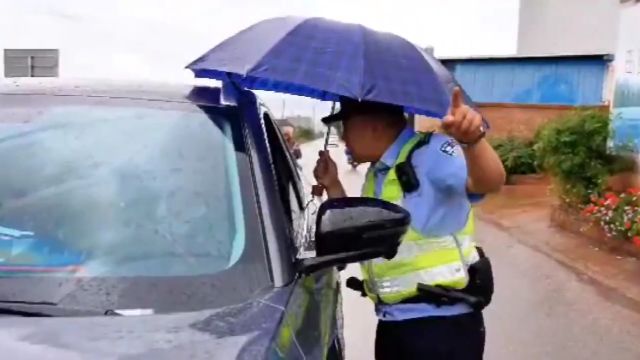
[{"x": 163, "y": 222}]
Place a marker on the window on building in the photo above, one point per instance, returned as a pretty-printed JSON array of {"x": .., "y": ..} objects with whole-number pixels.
[
  {"x": 629, "y": 65},
  {"x": 31, "y": 62}
]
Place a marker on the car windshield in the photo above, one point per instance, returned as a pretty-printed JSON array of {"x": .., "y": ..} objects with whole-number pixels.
[{"x": 144, "y": 195}]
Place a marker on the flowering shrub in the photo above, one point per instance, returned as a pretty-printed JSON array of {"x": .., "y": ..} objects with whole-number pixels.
[
  {"x": 618, "y": 214},
  {"x": 573, "y": 150}
]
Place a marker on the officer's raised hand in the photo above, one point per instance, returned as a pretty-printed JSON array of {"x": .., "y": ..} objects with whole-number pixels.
[
  {"x": 484, "y": 168},
  {"x": 462, "y": 123},
  {"x": 326, "y": 174}
]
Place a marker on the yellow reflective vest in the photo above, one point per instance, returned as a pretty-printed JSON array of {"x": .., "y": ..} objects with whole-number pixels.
[{"x": 420, "y": 259}]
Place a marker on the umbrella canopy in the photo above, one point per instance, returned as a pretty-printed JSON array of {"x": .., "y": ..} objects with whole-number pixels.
[{"x": 326, "y": 60}]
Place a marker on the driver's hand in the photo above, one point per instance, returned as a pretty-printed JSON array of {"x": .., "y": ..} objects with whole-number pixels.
[{"x": 326, "y": 171}]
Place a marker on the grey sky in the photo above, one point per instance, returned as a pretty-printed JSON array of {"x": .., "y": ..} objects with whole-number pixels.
[{"x": 156, "y": 38}]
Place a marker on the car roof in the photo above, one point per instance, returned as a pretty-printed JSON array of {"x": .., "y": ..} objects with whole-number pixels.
[{"x": 202, "y": 94}]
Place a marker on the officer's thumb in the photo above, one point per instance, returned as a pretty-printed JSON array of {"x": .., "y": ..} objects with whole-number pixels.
[{"x": 448, "y": 122}]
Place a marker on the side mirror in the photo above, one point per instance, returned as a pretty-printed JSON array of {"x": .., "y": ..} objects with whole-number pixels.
[{"x": 355, "y": 229}]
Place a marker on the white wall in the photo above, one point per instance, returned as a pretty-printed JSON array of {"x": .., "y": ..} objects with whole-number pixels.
[
  {"x": 628, "y": 47},
  {"x": 626, "y": 92},
  {"x": 627, "y": 63},
  {"x": 567, "y": 26}
]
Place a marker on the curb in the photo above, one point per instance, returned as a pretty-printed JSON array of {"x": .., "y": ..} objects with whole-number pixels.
[{"x": 607, "y": 288}]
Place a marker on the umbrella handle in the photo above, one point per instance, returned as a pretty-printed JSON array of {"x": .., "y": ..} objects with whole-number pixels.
[{"x": 317, "y": 189}]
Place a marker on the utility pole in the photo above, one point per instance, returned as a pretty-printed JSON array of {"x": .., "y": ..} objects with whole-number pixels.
[
  {"x": 283, "y": 107},
  {"x": 313, "y": 116},
  {"x": 429, "y": 50}
]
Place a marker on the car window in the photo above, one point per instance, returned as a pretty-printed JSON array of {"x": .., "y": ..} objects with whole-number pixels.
[
  {"x": 287, "y": 175},
  {"x": 122, "y": 190}
]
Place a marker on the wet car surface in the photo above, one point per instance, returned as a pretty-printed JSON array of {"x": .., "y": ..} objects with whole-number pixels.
[{"x": 146, "y": 221}]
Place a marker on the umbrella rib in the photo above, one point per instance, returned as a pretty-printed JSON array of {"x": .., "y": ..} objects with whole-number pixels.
[
  {"x": 362, "y": 59},
  {"x": 270, "y": 49}
]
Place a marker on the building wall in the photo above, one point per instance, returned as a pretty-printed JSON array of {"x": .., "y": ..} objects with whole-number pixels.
[
  {"x": 302, "y": 121},
  {"x": 567, "y": 26},
  {"x": 627, "y": 62},
  {"x": 626, "y": 98},
  {"x": 522, "y": 121},
  {"x": 577, "y": 81}
]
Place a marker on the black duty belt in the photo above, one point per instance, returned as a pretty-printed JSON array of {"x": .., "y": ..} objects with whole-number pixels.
[{"x": 477, "y": 294}]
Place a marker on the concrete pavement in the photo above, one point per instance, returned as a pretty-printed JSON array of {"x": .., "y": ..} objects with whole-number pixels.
[{"x": 541, "y": 310}]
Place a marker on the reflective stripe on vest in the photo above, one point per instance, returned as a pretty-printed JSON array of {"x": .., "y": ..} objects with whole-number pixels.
[{"x": 420, "y": 259}]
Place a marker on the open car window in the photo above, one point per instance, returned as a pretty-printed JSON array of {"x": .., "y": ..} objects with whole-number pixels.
[{"x": 286, "y": 169}]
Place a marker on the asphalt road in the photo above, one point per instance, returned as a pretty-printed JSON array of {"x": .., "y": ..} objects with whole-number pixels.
[{"x": 541, "y": 310}]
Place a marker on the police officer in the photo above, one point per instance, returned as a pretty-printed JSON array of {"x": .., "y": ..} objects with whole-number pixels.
[{"x": 435, "y": 177}]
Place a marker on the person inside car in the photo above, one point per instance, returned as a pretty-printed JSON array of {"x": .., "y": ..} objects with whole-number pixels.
[{"x": 289, "y": 136}]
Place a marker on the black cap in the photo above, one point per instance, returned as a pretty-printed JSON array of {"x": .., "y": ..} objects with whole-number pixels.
[{"x": 351, "y": 107}]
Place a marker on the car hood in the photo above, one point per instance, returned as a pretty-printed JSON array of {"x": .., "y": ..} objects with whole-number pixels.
[{"x": 236, "y": 332}]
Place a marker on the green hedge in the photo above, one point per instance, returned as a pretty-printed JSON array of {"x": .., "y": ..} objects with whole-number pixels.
[{"x": 516, "y": 154}]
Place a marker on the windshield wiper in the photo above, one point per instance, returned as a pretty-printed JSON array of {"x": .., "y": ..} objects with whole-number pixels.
[{"x": 48, "y": 309}]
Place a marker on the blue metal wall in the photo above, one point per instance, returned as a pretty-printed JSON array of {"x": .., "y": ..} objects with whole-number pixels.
[{"x": 557, "y": 81}]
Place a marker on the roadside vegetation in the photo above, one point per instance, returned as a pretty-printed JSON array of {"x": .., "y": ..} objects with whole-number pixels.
[
  {"x": 573, "y": 150},
  {"x": 517, "y": 155},
  {"x": 588, "y": 176},
  {"x": 304, "y": 134}
]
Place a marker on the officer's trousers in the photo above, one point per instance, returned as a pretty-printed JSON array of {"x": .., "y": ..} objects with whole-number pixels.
[{"x": 460, "y": 337}]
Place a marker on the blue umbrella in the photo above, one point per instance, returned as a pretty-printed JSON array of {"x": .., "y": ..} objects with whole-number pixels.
[{"x": 326, "y": 60}]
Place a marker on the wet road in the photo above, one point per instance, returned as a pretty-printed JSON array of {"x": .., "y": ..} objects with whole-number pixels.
[{"x": 541, "y": 310}]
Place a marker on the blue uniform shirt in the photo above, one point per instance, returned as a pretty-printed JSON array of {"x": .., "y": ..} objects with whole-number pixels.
[{"x": 439, "y": 207}]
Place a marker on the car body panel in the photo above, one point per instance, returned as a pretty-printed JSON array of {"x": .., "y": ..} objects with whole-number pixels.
[
  {"x": 310, "y": 321},
  {"x": 241, "y": 331}
]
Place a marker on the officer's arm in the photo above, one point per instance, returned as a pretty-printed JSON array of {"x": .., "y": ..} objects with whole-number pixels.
[
  {"x": 485, "y": 171},
  {"x": 336, "y": 191}
]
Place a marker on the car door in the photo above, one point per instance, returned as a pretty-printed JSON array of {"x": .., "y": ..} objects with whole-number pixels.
[{"x": 309, "y": 326}]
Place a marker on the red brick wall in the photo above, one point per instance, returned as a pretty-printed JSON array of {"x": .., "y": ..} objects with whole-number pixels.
[
  {"x": 521, "y": 120},
  {"x": 517, "y": 120}
]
